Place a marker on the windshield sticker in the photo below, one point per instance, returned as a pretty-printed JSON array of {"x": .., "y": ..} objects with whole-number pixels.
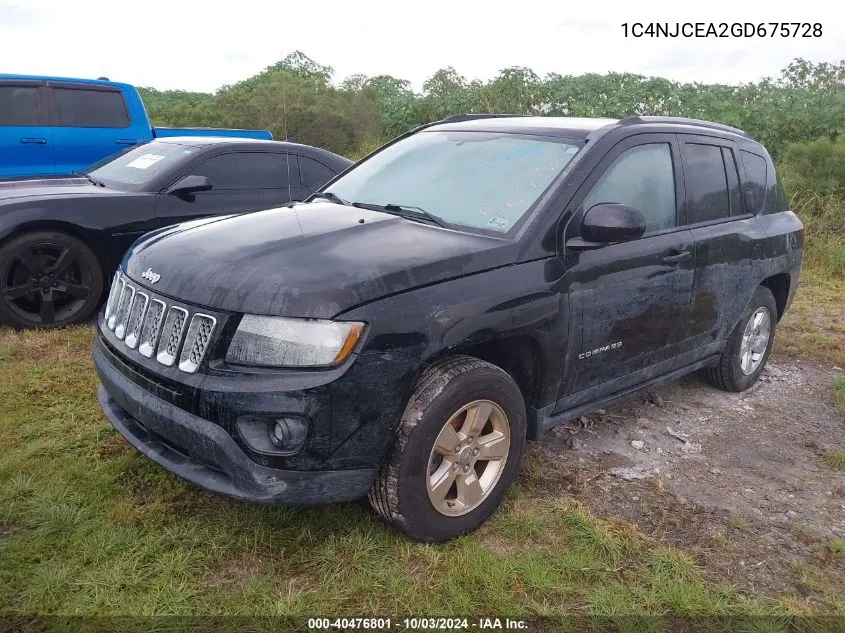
[
  {"x": 145, "y": 161},
  {"x": 499, "y": 222}
]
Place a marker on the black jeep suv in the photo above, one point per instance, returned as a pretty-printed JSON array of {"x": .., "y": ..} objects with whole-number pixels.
[{"x": 464, "y": 288}]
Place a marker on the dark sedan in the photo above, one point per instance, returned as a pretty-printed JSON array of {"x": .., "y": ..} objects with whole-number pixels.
[{"x": 61, "y": 239}]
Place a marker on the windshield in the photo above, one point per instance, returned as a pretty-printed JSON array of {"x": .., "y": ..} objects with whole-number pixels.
[
  {"x": 481, "y": 180},
  {"x": 139, "y": 165}
]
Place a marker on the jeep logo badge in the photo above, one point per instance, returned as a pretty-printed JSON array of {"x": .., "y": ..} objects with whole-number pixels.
[{"x": 150, "y": 276}]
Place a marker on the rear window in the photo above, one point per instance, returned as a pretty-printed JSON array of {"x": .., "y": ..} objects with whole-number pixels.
[
  {"x": 90, "y": 108},
  {"x": 18, "y": 105}
]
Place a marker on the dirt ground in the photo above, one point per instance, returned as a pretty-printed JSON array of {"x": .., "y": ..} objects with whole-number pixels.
[{"x": 736, "y": 480}]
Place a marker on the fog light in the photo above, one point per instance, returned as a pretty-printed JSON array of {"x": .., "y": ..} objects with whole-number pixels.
[
  {"x": 273, "y": 435},
  {"x": 288, "y": 433}
]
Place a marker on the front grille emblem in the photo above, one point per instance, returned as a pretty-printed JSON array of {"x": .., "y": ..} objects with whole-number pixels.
[{"x": 150, "y": 276}]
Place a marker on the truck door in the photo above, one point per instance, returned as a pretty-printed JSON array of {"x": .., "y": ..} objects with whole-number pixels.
[
  {"x": 91, "y": 122},
  {"x": 26, "y": 141}
]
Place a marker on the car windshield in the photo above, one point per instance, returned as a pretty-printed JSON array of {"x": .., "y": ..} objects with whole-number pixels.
[
  {"x": 130, "y": 170},
  {"x": 481, "y": 180}
]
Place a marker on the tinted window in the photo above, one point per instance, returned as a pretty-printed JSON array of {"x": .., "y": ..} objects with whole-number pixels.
[
  {"x": 755, "y": 178},
  {"x": 90, "y": 108},
  {"x": 481, "y": 180},
  {"x": 314, "y": 173},
  {"x": 643, "y": 178},
  {"x": 706, "y": 182},
  {"x": 243, "y": 170},
  {"x": 18, "y": 105}
]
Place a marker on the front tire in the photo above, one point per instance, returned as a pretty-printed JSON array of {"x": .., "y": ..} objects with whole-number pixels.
[
  {"x": 748, "y": 346},
  {"x": 48, "y": 279},
  {"x": 457, "y": 451}
]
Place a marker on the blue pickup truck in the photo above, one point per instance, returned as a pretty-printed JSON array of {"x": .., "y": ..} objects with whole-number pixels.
[{"x": 51, "y": 126}]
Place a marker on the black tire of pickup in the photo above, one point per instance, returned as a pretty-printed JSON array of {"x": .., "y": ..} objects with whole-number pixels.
[
  {"x": 71, "y": 274},
  {"x": 728, "y": 375},
  {"x": 400, "y": 493}
]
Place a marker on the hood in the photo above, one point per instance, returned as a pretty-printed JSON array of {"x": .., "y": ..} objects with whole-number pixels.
[
  {"x": 11, "y": 190},
  {"x": 310, "y": 260}
]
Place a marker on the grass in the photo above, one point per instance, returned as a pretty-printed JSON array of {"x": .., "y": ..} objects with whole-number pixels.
[
  {"x": 814, "y": 326},
  {"x": 87, "y": 525},
  {"x": 834, "y": 459},
  {"x": 839, "y": 393}
]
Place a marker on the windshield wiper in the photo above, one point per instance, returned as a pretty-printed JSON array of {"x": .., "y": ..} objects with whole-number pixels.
[
  {"x": 328, "y": 195},
  {"x": 93, "y": 181},
  {"x": 404, "y": 211}
]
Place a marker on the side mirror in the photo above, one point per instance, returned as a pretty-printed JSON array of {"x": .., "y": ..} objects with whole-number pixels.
[
  {"x": 189, "y": 185},
  {"x": 607, "y": 223}
]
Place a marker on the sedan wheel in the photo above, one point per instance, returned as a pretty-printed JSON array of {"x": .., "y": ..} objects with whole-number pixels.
[{"x": 48, "y": 279}]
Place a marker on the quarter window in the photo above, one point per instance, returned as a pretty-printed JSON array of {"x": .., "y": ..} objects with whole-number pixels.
[
  {"x": 245, "y": 170},
  {"x": 755, "y": 178},
  {"x": 706, "y": 183},
  {"x": 91, "y": 108},
  {"x": 18, "y": 106},
  {"x": 314, "y": 173},
  {"x": 642, "y": 178}
]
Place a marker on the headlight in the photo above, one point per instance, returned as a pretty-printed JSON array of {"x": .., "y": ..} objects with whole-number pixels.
[{"x": 286, "y": 342}]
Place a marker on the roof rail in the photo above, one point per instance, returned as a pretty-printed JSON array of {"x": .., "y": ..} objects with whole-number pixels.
[
  {"x": 633, "y": 120},
  {"x": 455, "y": 118}
]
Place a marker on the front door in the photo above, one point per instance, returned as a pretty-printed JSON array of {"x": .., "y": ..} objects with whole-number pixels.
[{"x": 629, "y": 302}]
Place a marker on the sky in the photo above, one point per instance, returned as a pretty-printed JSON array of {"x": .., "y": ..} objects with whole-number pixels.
[{"x": 192, "y": 45}]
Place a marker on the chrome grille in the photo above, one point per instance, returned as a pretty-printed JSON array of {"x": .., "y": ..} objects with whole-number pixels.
[
  {"x": 124, "y": 307},
  {"x": 171, "y": 335},
  {"x": 202, "y": 325},
  {"x": 136, "y": 319},
  {"x": 156, "y": 328},
  {"x": 152, "y": 328}
]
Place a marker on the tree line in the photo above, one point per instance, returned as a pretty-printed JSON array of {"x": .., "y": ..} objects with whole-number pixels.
[{"x": 297, "y": 99}]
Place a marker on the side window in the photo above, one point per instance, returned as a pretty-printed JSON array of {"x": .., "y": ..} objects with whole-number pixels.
[
  {"x": 314, "y": 173},
  {"x": 706, "y": 183},
  {"x": 643, "y": 178},
  {"x": 18, "y": 105},
  {"x": 755, "y": 174},
  {"x": 245, "y": 170},
  {"x": 90, "y": 108}
]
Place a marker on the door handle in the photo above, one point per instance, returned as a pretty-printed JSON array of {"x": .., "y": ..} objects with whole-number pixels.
[
  {"x": 678, "y": 258},
  {"x": 33, "y": 141},
  {"x": 126, "y": 141}
]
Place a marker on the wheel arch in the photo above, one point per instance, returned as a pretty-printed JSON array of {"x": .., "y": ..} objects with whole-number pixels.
[
  {"x": 779, "y": 286},
  {"x": 73, "y": 230}
]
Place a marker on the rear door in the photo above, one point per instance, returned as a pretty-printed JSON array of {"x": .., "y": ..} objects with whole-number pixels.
[
  {"x": 724, "y": 232},
  {"x": 26, "y": 139},
  {"x": 91, "y": 122},
  {"x": 241, "y": 181}
]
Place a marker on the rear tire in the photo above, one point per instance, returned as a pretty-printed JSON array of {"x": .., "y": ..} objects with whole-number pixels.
[
  {"x": 749, "y": 345},
  {"x": 457, "y": 451},
  {"x": 48, "y": 279}
]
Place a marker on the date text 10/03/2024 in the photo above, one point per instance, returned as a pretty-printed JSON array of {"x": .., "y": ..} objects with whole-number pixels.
[
  {"x": 459, "y": 624},
  {"x": 722, "y": 29}
]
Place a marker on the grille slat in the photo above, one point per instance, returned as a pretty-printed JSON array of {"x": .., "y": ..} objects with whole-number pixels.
[
  {"x": 150, "y": 324},
  {"x": 171, "y": 335}
]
